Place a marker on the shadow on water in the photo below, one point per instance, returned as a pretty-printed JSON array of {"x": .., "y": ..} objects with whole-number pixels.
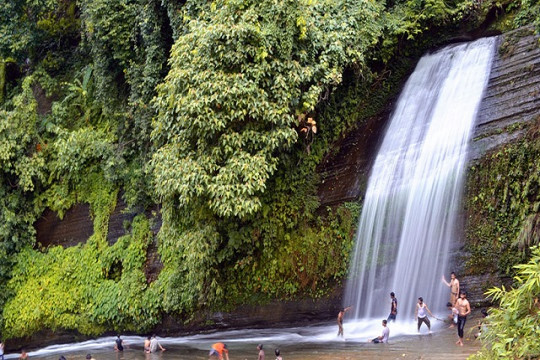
[{"x": 313, "y": 342}]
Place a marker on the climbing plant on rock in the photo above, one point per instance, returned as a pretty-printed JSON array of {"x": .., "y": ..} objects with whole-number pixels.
[{"x": 240, "y": 77}]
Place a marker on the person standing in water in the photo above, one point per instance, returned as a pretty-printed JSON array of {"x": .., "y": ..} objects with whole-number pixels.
[
  {"x": 454, "y": 287},
  {"x": 340, "y": 320},
  {"x": 119, "y": 344},
  {"x": 278, "y": 356},
  {"x": 261, "y": 352},
  {"x": 393, "y": 308},
  {"x": 420, "y": 314},
  {"x": 24, "y": 355},
  {"x": 464, "y": 309}
]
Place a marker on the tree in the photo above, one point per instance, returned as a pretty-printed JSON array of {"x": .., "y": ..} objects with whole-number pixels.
[
  {"x": 242, "y": 77},
  {"x": 512, "y": 327}
]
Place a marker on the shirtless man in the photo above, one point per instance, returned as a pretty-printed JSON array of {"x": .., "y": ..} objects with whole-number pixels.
[
  {"x": 454, "y": 287},
  {"x": 147, "y": 344},
  {"x": 261, "y": 352},
  {"x": 340, "y": 320},
  {"x": 464, "y": 309},
  {"x": 24, "y": 355}
]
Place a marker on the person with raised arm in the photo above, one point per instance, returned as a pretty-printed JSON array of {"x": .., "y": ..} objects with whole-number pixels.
[
  {"x": 340, "y": 316},
  {"x": 454, "y": 287}
]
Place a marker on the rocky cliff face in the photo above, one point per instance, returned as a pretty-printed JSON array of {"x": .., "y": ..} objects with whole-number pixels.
[
  {"x": 511, "y": 101},
  {"x": 512, "y": 98},
  {"x": 513, "y": 94}
]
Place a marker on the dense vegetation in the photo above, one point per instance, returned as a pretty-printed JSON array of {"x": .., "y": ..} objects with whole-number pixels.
[
  {"x": 511, "y": 330},
  {"x": 219, "y": 111},
  {"x": 504, "y": 204},
  {"x": 504, "y": 230}
]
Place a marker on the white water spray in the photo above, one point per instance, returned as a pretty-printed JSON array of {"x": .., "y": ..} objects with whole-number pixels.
[{"x": 409, "y": 214}]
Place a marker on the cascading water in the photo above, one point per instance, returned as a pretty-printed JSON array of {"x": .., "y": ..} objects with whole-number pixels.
[{"x": 409, "y": 214}]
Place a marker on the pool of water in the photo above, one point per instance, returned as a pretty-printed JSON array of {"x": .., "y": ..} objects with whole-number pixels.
[{"x": 311, "y": 342}]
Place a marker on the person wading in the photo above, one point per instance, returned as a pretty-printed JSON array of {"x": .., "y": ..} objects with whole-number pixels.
[
  {"x": 464, "y": 309},
  {"x": 421, "y": 313},
  {"x": 393, "y": 308},
  {"x": 454, "y": 287},
  {"x": 340, "y": 316},
  {"x": 218, "y": 349}
]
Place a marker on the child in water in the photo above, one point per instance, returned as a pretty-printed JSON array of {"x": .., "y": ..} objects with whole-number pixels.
[
  {"x": 453, "y": 315},
  {"x": 481, "y": 325},
  {"x": 278, "y": 357}
]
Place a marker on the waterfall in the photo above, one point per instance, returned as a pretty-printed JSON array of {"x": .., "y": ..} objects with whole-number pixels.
[{"x": 410, "y": 211}]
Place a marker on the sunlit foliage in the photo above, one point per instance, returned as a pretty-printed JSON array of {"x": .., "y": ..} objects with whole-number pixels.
[
  {"x": 217, "y": 111},
  {"x": 511, "y": 330}
]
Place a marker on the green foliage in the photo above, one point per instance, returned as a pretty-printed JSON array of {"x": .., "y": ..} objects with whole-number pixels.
[
  {"x": 297, "y": 265},
  {"x": 503, "y": 206},
  {"x": 17, "y": 137},
  {"x": 512, "y": 327},
  {"x": 129, "y": 41},
  {"x": 247, "y": 103},
  {"x": 528, "y": 13},
  {"x": 254, "y": 76},
  {"x": 2, "y": 81},
  {"x": 74, "y": 289},
  {"x": 21, "y": 167},
  {"x": 32, "y": 29}
]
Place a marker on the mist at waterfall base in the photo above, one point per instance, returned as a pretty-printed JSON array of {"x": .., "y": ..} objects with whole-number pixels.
[
  {"x": 409, "y": 219},
  {"x": 317, "y": 342},
  {"x": 405, "y": 232}
]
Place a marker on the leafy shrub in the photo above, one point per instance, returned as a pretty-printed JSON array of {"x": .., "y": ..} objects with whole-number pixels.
[{"x": 512, "y": 327}]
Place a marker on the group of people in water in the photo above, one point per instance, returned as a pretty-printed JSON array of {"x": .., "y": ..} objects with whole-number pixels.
[
  {"x": 219, "y": 349},
  {"x": 152, "y": 345},
  {"x": 458, "y": 305}
]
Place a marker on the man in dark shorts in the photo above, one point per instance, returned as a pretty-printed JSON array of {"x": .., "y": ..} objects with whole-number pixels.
[
  {"x": 421, "y": 314},
  {"x": 393, "y": 308},
  {"x": 464, "y": 309}
]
